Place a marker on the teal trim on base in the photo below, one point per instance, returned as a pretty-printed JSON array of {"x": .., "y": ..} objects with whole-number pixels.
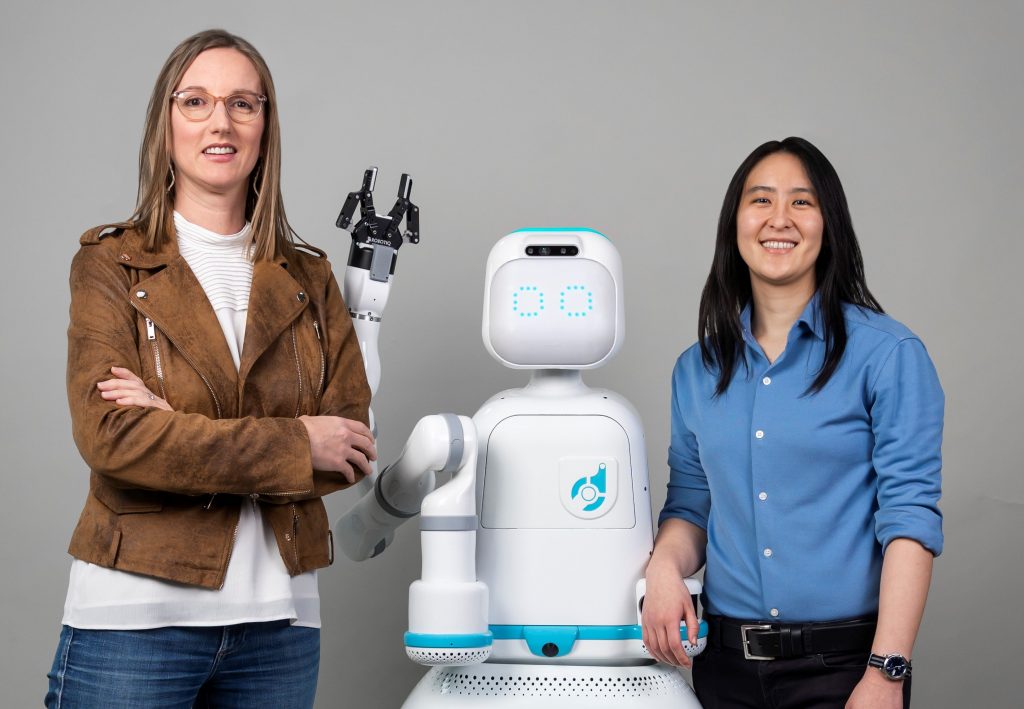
[
  {"x": 437, "y": 640},
  {"x": 534, "y": 229},
  {"x": 564, "y": 637}
]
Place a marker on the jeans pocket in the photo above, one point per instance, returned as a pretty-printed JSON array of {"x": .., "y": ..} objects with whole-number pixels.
[{"x": 857, "y": 659}]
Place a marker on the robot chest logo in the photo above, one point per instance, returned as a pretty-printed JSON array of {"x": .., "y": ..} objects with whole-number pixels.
[{"x": 588, "y": 486}]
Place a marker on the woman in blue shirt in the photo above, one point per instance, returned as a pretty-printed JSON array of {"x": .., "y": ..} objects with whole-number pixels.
[{"x": 805, "y": 460}]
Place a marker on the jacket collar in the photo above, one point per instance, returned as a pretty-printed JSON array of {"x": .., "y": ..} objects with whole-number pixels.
[{"x": 131, "y": 252}]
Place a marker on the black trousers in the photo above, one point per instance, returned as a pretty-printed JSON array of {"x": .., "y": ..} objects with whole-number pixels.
[{"x": 724, "y": 679}]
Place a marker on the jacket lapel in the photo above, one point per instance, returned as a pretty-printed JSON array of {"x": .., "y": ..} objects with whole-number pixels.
[
  {"x": 275, "y": 301},
  {"x": 177, "y": 304}
]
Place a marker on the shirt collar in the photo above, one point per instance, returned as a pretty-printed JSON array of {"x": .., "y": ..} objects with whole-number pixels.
[
  {"x": 810, "y": 318},
  {"x": 748, "y": 336}
]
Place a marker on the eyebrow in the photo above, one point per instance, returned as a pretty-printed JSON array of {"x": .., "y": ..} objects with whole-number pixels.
[
  {"x": 203, "y": 88},
  {"x": 766, "y": 188}
]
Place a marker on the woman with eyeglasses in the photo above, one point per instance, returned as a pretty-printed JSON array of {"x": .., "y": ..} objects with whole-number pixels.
[
  {"x": 805, "y": 460},
  {"x": 217, "y": 392}
]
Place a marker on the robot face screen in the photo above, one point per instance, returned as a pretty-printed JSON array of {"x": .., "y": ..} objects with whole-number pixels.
[{"x": 556, "y": 312}]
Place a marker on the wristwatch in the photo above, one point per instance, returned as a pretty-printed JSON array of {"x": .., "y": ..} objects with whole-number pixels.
[{"x": 894, "y": 667}]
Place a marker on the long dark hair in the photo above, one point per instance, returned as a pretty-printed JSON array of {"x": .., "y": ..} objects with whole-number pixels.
[{"x": 839, "y": 270}]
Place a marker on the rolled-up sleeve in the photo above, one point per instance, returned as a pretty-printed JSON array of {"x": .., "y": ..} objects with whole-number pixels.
[
  {"x": 906, "y": 418},
  {"x": 688, "y": 497}
]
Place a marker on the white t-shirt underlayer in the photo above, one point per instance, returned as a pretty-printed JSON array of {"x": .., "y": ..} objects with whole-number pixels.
[{"x": 257, "y": 586}]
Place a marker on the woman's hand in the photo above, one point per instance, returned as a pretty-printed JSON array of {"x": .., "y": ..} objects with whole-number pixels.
[
  {"x": 876, "y": 692},
  {"x": 666, "y": 603},
  {"x": 340, "y": 444},
  {"x": 126, "y": 389}
]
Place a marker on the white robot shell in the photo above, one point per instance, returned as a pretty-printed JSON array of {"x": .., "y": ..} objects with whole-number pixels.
[
  {"x": 553, "y": 299},
  {"x": 533, "y": 553}
]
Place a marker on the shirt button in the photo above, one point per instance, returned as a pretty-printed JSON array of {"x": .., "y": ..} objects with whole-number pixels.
[
  {"x": 767, "y": 553},
  {"x": 759, "y": 434},
  {"x": 774, "y": 612},
  {"x": 762, "y": 496},
  {"x": 766, "y": 381}
]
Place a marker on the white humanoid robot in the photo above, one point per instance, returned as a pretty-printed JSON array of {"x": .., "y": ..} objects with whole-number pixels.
[{"x": 534, "y": 549}]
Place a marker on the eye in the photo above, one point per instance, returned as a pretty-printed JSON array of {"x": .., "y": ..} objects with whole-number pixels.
[
  {"x": 761, "y": 200},
  {"x": 802, "y": 203},
  {"x": 193, "y": 101},
  {"x": 242, "y": 103}
]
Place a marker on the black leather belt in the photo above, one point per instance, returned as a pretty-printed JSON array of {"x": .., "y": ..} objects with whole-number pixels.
[{"x": 771, "y": 641}]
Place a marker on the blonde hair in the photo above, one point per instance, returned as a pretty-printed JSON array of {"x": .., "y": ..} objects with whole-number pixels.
[{"x": 264, "y": 206}]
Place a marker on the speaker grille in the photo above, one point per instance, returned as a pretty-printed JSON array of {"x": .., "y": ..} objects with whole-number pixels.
[{"x": 635, "y": 684}]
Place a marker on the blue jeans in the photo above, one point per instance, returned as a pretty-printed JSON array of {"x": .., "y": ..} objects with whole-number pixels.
[{"x": 271, "y": 664}]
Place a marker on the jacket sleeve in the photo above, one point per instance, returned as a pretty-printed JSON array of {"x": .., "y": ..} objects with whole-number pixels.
[
  {"x": 152, "y": 449},
  {"x": 346, "y": 392}
]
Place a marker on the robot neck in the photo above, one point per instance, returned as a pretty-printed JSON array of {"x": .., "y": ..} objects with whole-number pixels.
[{"x": 556, "y": 382}]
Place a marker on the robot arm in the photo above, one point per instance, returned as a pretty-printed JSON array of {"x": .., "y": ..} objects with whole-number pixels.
[
  {"x": 437, "y": 444},
  {"x": 448, "y": 614},
  {"x": 371, "y": 262},
  {"x": 448, "y": 605}
]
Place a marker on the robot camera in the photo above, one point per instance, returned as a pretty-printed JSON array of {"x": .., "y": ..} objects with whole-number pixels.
[{"x": 552, "y": 250}]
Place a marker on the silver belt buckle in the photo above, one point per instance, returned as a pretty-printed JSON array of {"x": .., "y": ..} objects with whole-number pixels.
[{"x": 746, "y": 641}]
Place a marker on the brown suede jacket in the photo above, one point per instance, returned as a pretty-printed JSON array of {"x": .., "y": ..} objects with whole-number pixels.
[{"x": 166, "y": 487}]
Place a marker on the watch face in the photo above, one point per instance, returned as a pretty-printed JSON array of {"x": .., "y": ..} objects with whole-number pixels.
[{"x": 895, "y": 666}]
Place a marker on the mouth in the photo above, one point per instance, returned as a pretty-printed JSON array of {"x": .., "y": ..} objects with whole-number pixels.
[
  {"x": 778, "y": 244},
  {"x": 219, "y": 150}
]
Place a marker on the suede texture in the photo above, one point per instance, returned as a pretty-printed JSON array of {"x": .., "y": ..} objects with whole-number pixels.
[{"x": 165, "y": 487}]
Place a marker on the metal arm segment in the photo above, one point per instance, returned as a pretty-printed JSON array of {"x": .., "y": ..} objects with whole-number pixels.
[{"x": 437, "y": 444}]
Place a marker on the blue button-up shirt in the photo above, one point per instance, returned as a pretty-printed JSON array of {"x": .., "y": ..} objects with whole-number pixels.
[{"x": 801, "y": 493}]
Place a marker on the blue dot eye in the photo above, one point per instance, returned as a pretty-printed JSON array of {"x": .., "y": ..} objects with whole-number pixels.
[
  {"x": 575, "y": 301},
  {"x": 528, "y": 301}
]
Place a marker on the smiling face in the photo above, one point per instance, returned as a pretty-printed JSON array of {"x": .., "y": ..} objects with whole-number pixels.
[
  {"x": 215, "y": 156},
  {"x": 779, "y": 224}
]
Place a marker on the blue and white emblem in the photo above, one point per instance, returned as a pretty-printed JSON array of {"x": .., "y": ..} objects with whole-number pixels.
[{"x": 588, "y": 486}]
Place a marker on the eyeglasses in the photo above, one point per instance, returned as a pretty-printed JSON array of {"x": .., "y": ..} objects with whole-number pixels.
[{"x": 198, "y": 105}]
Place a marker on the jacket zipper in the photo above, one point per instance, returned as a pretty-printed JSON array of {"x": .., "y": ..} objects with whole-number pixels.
[
  {"x": 295, "y": 534},
  {"x": 191, "y": 362},
  {"x": 151, "y": 336},
  {"x": 323, "y": 360},
  {"x": 298, "y": 372}
]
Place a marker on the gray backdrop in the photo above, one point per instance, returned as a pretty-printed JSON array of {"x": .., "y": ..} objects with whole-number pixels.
[{"x": 628, "y": 117}]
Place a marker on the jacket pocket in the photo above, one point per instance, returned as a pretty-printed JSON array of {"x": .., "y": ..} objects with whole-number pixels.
[{"x": 124, "y": 501}]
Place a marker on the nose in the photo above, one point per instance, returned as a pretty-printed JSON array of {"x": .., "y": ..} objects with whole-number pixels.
[
  {"x": 220, "y": 121},
  {"x": 780, "y": 218}
]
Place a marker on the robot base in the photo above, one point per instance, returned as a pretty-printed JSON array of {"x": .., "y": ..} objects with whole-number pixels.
[{"x": 651, "y": 686}]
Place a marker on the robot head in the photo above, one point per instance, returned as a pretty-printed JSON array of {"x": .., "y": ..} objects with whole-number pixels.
[{"x": 553, "y": 299}]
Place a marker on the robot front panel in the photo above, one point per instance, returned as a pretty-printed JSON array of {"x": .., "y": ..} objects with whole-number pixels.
[
  {"x": 563, "y": 536},
  {"x": 545, "y": 472}
]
